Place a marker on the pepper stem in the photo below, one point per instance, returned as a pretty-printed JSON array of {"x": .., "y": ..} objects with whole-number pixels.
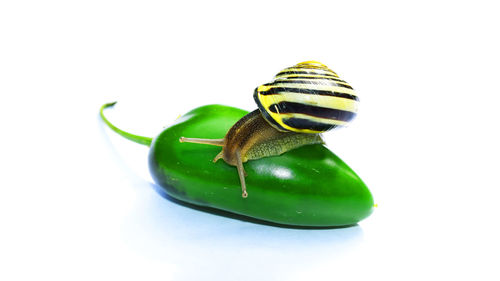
[{"x": 135, "y": 138}]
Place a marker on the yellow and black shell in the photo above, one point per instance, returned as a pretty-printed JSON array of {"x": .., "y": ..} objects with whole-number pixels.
[{"x": 307, "y": 98}]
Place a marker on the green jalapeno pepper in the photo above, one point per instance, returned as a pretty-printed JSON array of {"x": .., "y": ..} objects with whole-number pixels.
[{"x": 308, "y": 186}]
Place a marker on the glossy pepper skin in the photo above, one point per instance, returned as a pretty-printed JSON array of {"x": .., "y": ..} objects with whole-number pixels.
[{"x": 309, "y": 186}]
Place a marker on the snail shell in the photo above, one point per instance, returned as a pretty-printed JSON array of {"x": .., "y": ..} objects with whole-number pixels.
[{"x": 307, "y": 98}]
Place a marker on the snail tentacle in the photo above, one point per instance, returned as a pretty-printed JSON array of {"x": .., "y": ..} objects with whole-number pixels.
[
  {"x": 217, "y": 142},
  {"x": 242, "y": 174}
]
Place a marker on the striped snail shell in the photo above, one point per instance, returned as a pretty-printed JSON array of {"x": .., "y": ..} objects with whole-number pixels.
[{"x": 307, "y": 98}]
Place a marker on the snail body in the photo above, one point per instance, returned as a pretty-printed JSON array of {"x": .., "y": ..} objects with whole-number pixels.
[
  {"x": 252, "y": 138},
  {"x": 302, "y": 101}
]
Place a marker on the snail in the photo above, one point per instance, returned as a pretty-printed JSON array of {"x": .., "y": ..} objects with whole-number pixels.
[{"x": 300, "y": 103}]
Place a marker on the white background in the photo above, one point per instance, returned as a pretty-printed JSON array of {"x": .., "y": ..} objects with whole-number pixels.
[{"x": 77, "y": 202}]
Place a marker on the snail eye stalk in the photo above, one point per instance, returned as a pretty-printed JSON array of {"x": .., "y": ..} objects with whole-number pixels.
[{"x": 217, "y": 142}]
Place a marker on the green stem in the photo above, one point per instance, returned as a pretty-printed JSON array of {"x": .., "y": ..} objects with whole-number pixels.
[{"x": 135, "y": 138}]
